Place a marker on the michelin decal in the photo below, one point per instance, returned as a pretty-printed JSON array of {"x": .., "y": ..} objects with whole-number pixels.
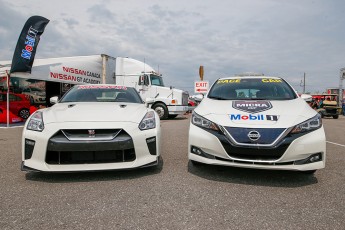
[{"x": 252, "y": 106}]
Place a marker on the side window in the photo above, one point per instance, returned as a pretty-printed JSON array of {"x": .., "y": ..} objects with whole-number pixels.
[
  {"x": 141, "y": 80},
  {"x": 146, "y": 80},
  {"x": 14, "y": 98}
]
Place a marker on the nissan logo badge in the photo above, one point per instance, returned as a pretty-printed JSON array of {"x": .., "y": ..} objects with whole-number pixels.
[
  {"x": 92, "y": 133},
  {"x": 254, "y": 135}
]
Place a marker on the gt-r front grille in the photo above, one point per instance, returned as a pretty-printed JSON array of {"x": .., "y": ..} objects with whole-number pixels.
[
  {"x": 90, "y": 157},
  {"x": 77, "y": 149},
  {"x": 88, "y": 134}
]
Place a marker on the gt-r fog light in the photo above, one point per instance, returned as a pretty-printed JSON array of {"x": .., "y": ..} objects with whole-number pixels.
[
  {"x": 29, "y": 148},
  {"x": 151, "y": 144}
]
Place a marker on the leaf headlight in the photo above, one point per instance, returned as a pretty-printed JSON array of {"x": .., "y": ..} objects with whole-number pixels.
[
  {"x": 36, "y": 122},
  {"x": 308, "y": 125},
  {"x": 203, "y": 122},
  {"x": 148, "y": 122}
]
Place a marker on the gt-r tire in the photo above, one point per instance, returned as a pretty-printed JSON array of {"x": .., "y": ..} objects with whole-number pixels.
[
  {"x": 309, "y": 172},
  {"x": 335, "y": 116},
  {"x": 24, "y": 113},
  {"x": 161, "y": 110},
  {"x": 196, "y": 163},
  {"x": 172, "y": 116}
]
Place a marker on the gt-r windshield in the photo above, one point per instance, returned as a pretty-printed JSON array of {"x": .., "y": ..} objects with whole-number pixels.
[
  {"x": 101, "y": 93},
  {"x": 251, "y": 88}
]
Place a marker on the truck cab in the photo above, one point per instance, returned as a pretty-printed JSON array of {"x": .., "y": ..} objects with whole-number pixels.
[{"x": 168, "y": 102}]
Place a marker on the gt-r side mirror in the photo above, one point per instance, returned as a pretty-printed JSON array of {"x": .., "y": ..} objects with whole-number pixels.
[
  {"x": 54, "y": 100},
  {"x": 306, "y": 97}
]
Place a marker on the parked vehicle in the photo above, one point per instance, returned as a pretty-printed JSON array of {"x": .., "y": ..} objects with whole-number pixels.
[
  {"x": 12, "y": 118},
  {"x": 168, "y": 102},
  {"x": 256, "y": 122},
  {"x": 328, "y": 105},
  {"x": 92, "y": 127},
  {"x": 19, "y": 104},
  {"x": 35, "y": 95}
]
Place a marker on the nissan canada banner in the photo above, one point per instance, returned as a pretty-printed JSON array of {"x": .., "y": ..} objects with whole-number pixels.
[{"x": 25, "y": 51}]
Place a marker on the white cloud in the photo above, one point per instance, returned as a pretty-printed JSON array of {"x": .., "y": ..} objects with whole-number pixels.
[{"x": 227, "y": 37}]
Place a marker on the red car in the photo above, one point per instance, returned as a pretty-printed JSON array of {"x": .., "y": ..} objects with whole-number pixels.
[{"x": 19, "y": 104}]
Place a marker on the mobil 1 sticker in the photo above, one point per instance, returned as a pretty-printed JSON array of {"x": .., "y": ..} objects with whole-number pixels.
[
  {"x": 252, "y": 106},
  {"x": 252, "y": 117}
]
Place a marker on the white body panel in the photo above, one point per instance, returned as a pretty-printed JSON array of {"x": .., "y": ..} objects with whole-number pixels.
[
  {"x": 93, "y": 116},
  {"x": 221, "y": 148}
]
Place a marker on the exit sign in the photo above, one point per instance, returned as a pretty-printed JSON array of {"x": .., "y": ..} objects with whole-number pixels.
[{"x": 201, "y": 86}]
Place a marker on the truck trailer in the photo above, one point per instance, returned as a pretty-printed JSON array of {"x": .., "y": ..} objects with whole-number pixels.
[{"x": 168, "y": 102}]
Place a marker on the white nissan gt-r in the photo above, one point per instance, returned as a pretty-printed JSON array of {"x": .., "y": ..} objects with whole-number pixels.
[
  {"x": 92, "y": 127},
  {"x": 256, "y": 122}
]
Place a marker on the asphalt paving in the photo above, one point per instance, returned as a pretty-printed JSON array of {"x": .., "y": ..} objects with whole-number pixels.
[{"x": 175, "y": 195}]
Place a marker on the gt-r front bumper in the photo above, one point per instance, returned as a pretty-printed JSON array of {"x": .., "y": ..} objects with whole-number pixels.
[
  {"x": 60, "y": 148},
  {"x": 301, "y": 152}
]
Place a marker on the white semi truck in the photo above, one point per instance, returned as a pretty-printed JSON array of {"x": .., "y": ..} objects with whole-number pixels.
[{"x": 168, "y": 102}]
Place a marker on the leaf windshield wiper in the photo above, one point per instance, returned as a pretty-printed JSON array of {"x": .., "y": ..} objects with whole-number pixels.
[{"x": 217, "y": 98}]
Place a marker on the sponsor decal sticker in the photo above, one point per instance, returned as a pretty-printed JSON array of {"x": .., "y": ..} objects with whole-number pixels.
[
  {"x": 252, "y": 117},
  {"x": 226, "y": 81},
  {"x": 252, "y": 106},
  {"x": 102, "y": 87},
  {"x": 271, "y": 80}
]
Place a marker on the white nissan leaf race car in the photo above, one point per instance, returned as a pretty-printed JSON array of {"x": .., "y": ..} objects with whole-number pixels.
[
  {"x": 92, "y": 127},
  {"x": 256, "y": 122}
]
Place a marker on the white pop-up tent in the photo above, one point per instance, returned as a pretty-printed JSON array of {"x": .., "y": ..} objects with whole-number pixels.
[{"x": 4, "y": 69}]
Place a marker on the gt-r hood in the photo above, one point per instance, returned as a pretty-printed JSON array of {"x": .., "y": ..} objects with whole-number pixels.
[
  {"x": 255, "y": 114},
  {"x": 95, "y": 112}
]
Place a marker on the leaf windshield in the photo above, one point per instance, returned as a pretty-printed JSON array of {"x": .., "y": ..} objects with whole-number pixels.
[
  {"x": 101, "y": 93},
  {"x": 251, "y": 89}
]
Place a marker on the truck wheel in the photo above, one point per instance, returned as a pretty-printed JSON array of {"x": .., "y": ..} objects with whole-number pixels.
[
  {"x": 335, "y": 116},
  {"x": 24, "y": 113},
  {"x": 162, "y": 110}
]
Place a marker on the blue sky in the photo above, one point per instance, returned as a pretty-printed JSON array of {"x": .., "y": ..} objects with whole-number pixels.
[{"x": 279, "y": 38}]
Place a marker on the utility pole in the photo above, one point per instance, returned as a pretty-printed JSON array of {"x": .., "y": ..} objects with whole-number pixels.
[
  {"x": 341, "y": 78},
  {"x": 303, "y": 83}
]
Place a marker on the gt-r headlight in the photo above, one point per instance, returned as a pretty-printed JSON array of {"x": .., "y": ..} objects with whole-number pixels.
[
  {"x": 309, "y": 125},
  {"x": 203, "y": 122},
  {"x": 36, "y": 122},
  {"x": 148, "y": 122}
]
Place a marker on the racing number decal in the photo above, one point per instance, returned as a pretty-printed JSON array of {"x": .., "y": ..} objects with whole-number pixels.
[
  {"x": 271, "y": 80},
  {"x": 225, "y": 81}
]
